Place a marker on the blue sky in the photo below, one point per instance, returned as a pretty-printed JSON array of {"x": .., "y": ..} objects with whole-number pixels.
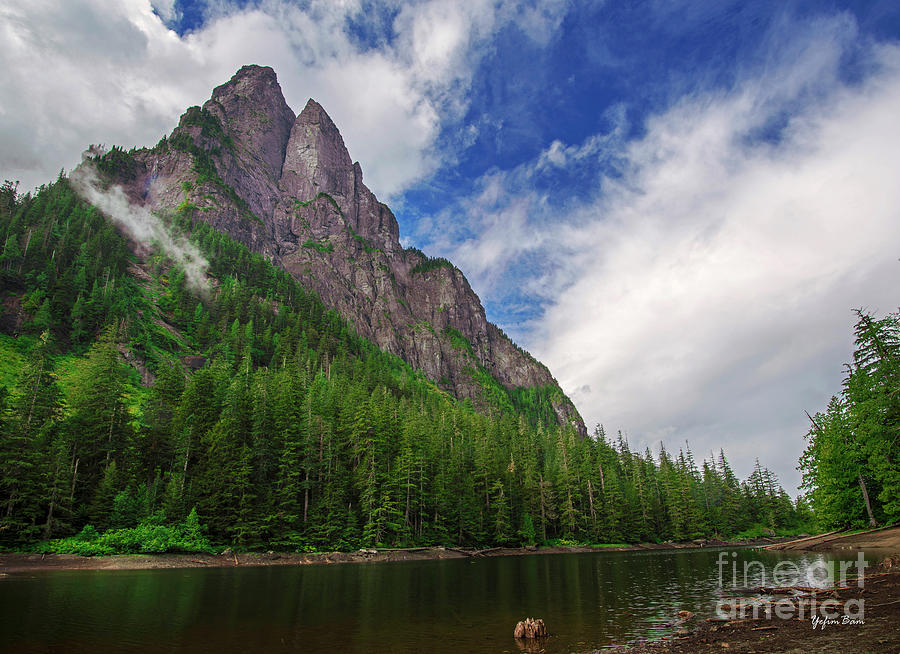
[{"x": 675, "y": 205}]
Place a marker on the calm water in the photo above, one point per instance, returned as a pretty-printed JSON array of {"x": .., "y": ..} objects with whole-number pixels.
[{"x": 587, "y": 600}]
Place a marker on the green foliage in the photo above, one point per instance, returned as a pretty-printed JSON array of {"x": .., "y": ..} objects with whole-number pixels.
[
  {"x": 204, "y": 164},
  {"x": 563, "y": 542},
  {"x": 493, "y": 393},
  {"x": 527, "y": 534},
  {"x": 363, "y": 241},
  {"x": 431, "y": 263},
  {"x": 320, "y": 246},
  {"x": 537, "y": 402},
  {"x": 427, "y": 263},
  {"x": 457, "y": 340},
  {"x": 209, "y": 125},
  {"x": 146, "y": 538},
  {"x": 754, "y": 531},
  {"x": 287, "y": 429},
  {"x": 12, "y": 358},
  {"x": 424, "y": 325},
  {"x": 331, "y": 201},
  {"x": 762, "y": 531},
  {"x": 117, "y": 164},
  {"x": 321, "y": 195},
  {"x": 851, "y": 465},
  {"x": 186, "y": 206}
]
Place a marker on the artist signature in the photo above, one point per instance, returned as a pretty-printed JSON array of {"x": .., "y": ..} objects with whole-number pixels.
[{"x": 819, "y": 622}]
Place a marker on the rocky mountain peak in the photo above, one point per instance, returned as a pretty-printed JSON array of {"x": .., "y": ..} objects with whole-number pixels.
[
  {"x": 286, "y": 187},
  {"x": 317, "y": 161},
  {"x": 252, "y": 107},
  {"x": 252, "y": 72},
  {"x": 256, "y": 122}
]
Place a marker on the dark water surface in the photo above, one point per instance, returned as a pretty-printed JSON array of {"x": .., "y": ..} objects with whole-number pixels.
[{"x": 587, "y": 601}]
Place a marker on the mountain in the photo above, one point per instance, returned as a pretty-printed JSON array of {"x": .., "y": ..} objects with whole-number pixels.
[
  {"x": 286, "y": 187},
  {"x": 164, "y": 387}
]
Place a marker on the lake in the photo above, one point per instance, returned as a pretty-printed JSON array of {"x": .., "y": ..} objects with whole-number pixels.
[{"x": 588, "y": 601}]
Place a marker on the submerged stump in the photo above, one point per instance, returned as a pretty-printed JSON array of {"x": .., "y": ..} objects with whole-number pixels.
[{"x": 530, "y": 628}]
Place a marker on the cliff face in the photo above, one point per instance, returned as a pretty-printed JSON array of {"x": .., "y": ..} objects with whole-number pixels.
[{"x": 286, "y": 187}]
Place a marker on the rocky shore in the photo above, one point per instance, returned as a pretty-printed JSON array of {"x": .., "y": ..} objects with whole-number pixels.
[
  {"x": 875, "y": 632},
  {"x": 12, "y": 562},
  {"x": 824, "y": 625}
]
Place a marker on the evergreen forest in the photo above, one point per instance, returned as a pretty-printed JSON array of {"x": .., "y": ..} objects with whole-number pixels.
[
  {"x": 139, "y": 414},
  {"x": 851, "y": 466}
]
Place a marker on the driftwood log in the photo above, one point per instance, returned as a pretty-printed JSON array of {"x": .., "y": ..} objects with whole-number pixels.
[
  {"x": 474, "y": 553},
  {"x": 530, "y": 628}
]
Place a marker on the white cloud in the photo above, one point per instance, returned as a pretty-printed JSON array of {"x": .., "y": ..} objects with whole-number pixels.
[
  {"x": 715, "y": 285},
  {"x": 140, "y": 224},
  {"x": 166, "y": 9},
  {"x": 714, "y": 273},
  {"x": 601, "y": 148},
  {"x": 89, "y": 71}
]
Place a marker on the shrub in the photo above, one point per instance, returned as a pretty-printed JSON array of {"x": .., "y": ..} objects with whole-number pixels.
[
  {"x": 149, "y": 537},
  {"x": 430, "y": 264},
  {"x": 118, "y": 163},
  {"x": 321, "y": 247},
  {"x": 457, "y": 340}
]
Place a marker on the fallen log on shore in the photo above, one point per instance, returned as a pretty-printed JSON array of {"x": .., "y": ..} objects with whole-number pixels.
[
  {"x": 461, "y": 551},
  {"x": 473, "y": 553}
]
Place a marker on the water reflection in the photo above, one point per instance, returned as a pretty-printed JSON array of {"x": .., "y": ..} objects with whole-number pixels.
[{"x": 587, "y": 601}]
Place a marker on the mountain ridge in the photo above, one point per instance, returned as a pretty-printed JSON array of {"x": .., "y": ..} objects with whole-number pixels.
[{"x": 286, "y": 187}]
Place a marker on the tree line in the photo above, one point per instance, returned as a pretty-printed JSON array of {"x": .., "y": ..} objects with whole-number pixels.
[{"x": 295, "y": 432}]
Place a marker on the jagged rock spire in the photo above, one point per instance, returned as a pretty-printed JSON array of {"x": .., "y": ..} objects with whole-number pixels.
[
  {"x": 310, "y": 212},
  {"x": 252, "y": 108},
  {"x": 317, "y": 159}
]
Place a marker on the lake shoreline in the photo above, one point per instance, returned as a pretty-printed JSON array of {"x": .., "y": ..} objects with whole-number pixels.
[
  {"x": 877, "y": 633},
  {"x": 683, "y": 633},
  {"x": 880, "y": 539},
  {"x": 17, "y": 562},
  {"x": 874, "y": 631}
]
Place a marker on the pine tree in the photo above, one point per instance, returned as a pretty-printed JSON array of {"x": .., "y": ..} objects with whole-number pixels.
[
  {"x": 298, "y": 433},
  {"x": 25, "y": 437},
  {"x": 502, "y": 527},
  {"x": 159, "y": 414},
  {"x": 834, "y": 470}
]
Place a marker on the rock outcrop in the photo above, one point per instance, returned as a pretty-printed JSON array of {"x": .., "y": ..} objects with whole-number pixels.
[{"x": 287, "y": 188}]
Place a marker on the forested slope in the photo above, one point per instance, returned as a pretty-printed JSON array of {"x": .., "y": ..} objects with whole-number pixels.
[{"x": 130, "y": 399}]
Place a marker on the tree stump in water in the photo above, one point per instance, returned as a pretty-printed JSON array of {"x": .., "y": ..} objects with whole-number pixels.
[{"x": 531, "y": 628}]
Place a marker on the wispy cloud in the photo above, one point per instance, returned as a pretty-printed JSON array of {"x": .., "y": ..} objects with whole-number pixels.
[
  {"x": 141, "y": 225},
  {"x": 703, "y": 291},
  {"x": 166, "y": 10}
]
